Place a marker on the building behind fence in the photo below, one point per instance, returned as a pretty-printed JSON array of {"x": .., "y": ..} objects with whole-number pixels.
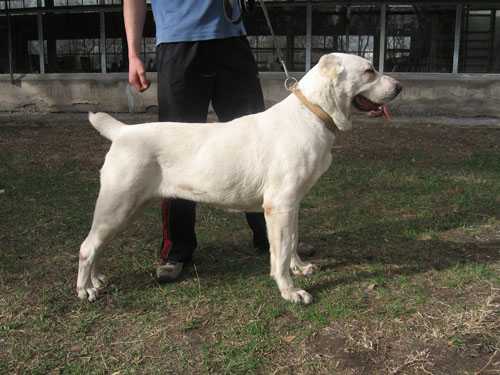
[{"x": 441, "y": 42}]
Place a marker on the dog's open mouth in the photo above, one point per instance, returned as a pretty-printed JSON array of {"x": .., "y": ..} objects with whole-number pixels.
[{"x": 373, "y": 109}]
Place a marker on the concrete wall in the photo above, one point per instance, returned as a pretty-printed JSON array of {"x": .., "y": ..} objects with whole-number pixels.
[{"x": 424, "y": 94}]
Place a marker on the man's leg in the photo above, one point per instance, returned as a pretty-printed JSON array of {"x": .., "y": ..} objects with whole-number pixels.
[
  {"x": 184, "y": 90},
  {"x": 238, "y": 93}
]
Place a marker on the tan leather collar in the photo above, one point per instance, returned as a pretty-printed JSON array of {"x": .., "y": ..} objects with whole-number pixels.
[{"x": 316, "y": 109}]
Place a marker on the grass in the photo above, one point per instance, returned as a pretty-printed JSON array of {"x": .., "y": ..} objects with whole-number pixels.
[{"x": 406, "y": 229}]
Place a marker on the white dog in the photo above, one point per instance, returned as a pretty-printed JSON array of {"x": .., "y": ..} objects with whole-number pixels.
[{"x": 262, "y": 162}]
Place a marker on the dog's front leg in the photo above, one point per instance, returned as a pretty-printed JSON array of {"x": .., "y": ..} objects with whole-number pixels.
[{"x": 282, "y": 229}]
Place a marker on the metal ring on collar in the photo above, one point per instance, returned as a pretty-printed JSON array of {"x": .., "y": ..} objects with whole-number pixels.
[{"x": 290, "y": 83}]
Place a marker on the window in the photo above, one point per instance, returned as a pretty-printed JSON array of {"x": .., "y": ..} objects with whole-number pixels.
[
  {"x": 116, "y": 43},
  {"x": 19, "y": 4},
  {"x": 72, "y": 42},
  {"x": 348, "y": 29},
  {"x": 480, "y": 52},
  {"x": 64, "y": 3},
  {"x": 289, "y": 25},
  {"x": 25, "y": 49},
  {"x": 420, "y": 38},
  {"x": 4, "y": 46}
]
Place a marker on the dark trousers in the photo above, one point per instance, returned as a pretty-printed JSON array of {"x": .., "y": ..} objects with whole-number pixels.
[{"x": 190, "y": 76}]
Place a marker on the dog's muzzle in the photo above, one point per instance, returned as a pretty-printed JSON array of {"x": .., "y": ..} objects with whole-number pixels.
[{"x": 364, "y": 104}]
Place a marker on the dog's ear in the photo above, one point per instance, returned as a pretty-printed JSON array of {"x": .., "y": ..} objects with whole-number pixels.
[
  {"x": 332, "y": 69},
  {"x": 330, "y": 66},
  {"x": 342, "y": 114}
]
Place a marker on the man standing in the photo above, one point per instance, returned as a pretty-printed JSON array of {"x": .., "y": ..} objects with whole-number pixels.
[{"x": 201, "y": 57}]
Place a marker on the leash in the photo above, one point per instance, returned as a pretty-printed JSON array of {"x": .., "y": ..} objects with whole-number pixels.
[
  {"x": 248, "y": 7},
  {"x": 291, "y": 83}
]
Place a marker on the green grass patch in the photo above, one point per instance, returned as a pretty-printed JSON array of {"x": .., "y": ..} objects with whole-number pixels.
[{"x": 401, "y": 235}]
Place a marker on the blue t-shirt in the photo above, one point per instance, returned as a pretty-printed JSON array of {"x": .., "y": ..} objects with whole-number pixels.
[{"x": 192, "y": 20}]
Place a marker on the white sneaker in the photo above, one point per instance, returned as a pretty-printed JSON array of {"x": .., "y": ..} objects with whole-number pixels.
[{"x": 168, "y": 272}]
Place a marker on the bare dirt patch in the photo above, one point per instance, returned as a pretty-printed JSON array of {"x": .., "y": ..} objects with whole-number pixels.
[{"x": 405, "y": 226}]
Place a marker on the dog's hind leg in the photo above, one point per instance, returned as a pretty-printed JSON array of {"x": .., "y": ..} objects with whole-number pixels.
[
  {"x": 113, "y": 210},
  {"x": 299, "y": 267},
  {"x": 282, "y": 229},
  {"x": 98, "y": 279}
]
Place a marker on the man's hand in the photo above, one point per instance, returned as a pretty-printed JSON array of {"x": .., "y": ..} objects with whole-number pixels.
[
  {"x": 134, "y": 14},
  {"x": 137, "y": 74}
]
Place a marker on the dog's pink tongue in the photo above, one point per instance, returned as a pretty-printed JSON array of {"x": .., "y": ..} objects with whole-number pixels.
[
  {"x": 386, "y": 113},
  {"x": 381, "y": 111}
]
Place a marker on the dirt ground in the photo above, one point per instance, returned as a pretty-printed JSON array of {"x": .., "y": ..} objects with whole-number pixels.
[
  {"x": 57, "y": 135},
  {"x": 413, "y": 286}
]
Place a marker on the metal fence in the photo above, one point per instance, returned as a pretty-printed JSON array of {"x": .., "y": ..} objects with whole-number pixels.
[{"x": 68, "y": 36}]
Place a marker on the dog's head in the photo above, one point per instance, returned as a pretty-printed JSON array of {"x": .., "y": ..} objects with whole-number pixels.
[{"x": 341, "y": 82}]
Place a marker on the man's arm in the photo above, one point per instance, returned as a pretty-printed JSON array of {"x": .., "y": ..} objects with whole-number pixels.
[{"x": 134, "y": 14}]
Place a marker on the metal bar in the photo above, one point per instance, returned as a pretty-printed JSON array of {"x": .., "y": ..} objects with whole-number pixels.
[
  {"x": 308, "y": 36},
  {"x": 492, "y": 39},
  {"x": 458, "y": 35},
  {"x": 383, "y": 27},
  {"x": 79, "y": 9},
  {"x": 41, "y": 45},
  {"x": 9, "y": 43},
  {"x": 484, "y": 3},
  {"x": 102, "y": 41},
  {"x": 394, "y": 2},
  {"x": 274, "y": 4},
  {"x": 485, "y": 77}
]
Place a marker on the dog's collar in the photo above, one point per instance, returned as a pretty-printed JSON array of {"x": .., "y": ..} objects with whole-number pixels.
[{"x": 316, "y": 109}]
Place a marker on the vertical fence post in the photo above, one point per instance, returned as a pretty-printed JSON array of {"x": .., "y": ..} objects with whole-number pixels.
[
  {"x": 458, "y": 35},
  {"x": 9, "y": 43},
  {"x": 308, "y": 35},
  {"x": 41, "y": 46},
  {"x": 102, "y": 40},
  {"x": 383, "y": 26}
]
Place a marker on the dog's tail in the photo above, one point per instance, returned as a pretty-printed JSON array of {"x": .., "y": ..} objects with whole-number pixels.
[{"x": 108, "y": 126}]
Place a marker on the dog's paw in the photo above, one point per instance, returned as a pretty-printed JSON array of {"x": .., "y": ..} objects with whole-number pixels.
[
  {"x": 307, "y": 270},
  {"x": 98, "y": 281},
  {"x": 87, "y": 293},
  {"x": 297, "y": 296}
]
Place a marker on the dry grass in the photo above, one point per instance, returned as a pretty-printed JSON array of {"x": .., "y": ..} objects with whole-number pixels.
[{"x": 406, "y": 229}]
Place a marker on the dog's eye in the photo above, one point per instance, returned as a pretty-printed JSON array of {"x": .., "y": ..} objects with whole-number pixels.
[{"x": 370, "y": 71}]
